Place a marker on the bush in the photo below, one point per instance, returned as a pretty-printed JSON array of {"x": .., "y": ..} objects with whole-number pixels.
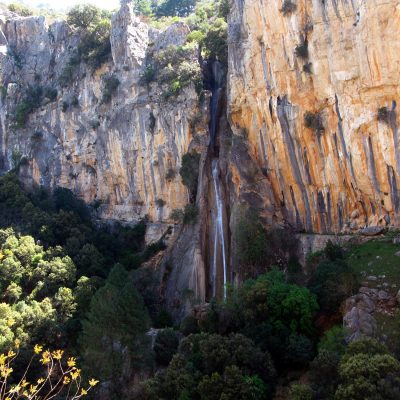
[
  {"x": 166, "y": 345},
  {"x": 190, "y": 214},
  {"x": 177, "y": 215},
  {"x": 160, "y": 203},
  {"x": 170, "y": 175},
  {"x": 68, "y": 72},
  {"x": 32, "y": 100},
  {"x": 288, "y": 7},
  {"x": 332, "y": 282},
  {"x": 313, "y": 120},
  {"x": 334, "y": 341},
  {"x": 50, "y": 93},
  {"x": 189, "y": 325},
  {"x": 111, "y": 84},
  {"x": 180, "y": 8},
  {"x": 383, "y": 115},
  {"x": 84, "y": 16},
  {"x": 148, "y": 75},
  {"x": 301, "y": 50},
  {"x": 190, "y": 171},
  {"x": 307, "y": 68},
  {"x": 300, "y": 392},
  {"x": 20, "y": 9},
  {"x": 94, "y": 27},
  {"x": 215, "y": 43},
  {"x": 163, "y": 319},
  {"x": 324, "y": 374}
]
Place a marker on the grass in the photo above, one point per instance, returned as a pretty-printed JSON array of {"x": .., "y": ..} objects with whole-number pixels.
[{"x": 377, "y": 258}]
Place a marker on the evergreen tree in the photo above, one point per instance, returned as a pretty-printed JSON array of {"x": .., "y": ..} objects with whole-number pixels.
[{"x": 113, "y": 339}]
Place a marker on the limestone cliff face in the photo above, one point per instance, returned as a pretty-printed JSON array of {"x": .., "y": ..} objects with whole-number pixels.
[
  {"x": 116, "y": 154},
  {"x": 346, "y": 175}
]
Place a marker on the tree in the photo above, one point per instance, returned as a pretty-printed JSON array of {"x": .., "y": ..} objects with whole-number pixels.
[
  {"x": 332, "y": 282},
  {"x": 179, "y": 8},
  {"x": 142, "y": 7},
  {"x": 113, "y": 340},
  {"x": 368, "y": 371},
  {"x": 166, "y": 345},
  {"x": 84, "y": 16}
]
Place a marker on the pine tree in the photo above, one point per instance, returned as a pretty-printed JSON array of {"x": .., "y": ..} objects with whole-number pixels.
[{"x": 113, "y": 339}]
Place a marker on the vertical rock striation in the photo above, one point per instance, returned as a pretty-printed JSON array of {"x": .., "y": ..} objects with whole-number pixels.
[{"x": 335, "y": 63}]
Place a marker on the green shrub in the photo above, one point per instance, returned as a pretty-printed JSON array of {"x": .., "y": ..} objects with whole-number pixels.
[
  {"x": 148, "y": 75},
  {"x": 383, "y": 115},
  {"x": 170, "y": 175},
  {"x": 177, "y": 215},
  {"x": 190, "y": 171},
  {"x": 332, "y": 282},
  {"x": 111, "y": 84},
  {"x": 50, "y": 93},
  {"x": 301, "y": 50},
  {"x": 163, "y": 319},
  {"x": 94, "y": 27},
  {"x": 190, "y": 214},
  {"x": 189, "y": 325},
  {"x": 334, "y": 341},
  {"x": 300, "y": 392},
  {"x": 307, "y": 68},
  {"x": 160, "y": 203},
  {"x": 32, "y": 100},
  {"x": 288, "y": 7},
  {"x": 313, "y": 120},
  {"x": 84, "y": 16},
  {"x": 67, "y": 74},
  {"x": 20, "y": 9},
  {"x": 215, "y": 43},
  {"x": 166, "y": 345}
]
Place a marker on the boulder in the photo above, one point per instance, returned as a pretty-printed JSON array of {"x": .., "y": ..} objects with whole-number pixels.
[
  {"x": 359, "y": 323},
  {"x": 372, "y": 231}
]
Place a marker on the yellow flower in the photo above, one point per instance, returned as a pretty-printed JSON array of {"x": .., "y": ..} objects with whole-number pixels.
[
  {"x": 25, "y": 393},
  {"x": 75, "y": 374},
  {"x": 66, "y": 380},
  {"x": 10, "y": 322},
  {"x": 3, "y": 359},
  {"x": 38, "y": 349},
  {"x": 10, "y": 354},
  {"x": 15, "y": 389},
  {"x": 5, "y": 372},
  {"x": 93, "y": 382},
  {"x": 58, "y": 354},
  {"x": 45, "y": 357},
  {"x": 71, "y": 362},
  {"x": 33, "y": 389},
  {"x": 83, "y": 392},
  {"x": 24, "y": 383},
  {"x": 40, "y": 380},
  {"x": 17, "y": 343}
]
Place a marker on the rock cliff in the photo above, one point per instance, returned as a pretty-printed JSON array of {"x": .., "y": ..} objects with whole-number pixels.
[
  {"x": 123, "y": 155},
  {"x": 314, "y": 92},
  {"x": 304, "y": 128}
]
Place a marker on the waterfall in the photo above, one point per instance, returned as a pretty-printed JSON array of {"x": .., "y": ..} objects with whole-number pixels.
[
  {"x": 3, "y": 134},
  {"x": 218, "y": 272},
  {"x": 219, "y": 235}
]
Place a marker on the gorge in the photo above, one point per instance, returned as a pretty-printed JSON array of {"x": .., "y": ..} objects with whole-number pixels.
[{"x": 302, "y": 140}]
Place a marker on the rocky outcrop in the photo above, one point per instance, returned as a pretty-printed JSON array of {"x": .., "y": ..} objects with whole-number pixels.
[
  {"x": 116, "y": 155},
  {"x": 314, "y": 95}
]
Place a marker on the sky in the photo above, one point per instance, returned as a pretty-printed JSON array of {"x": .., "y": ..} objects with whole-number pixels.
[{"x": 65, "y": 4}]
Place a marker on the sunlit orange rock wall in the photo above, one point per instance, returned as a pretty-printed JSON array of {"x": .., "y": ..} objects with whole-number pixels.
[{"x": 347, "y": 176}]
